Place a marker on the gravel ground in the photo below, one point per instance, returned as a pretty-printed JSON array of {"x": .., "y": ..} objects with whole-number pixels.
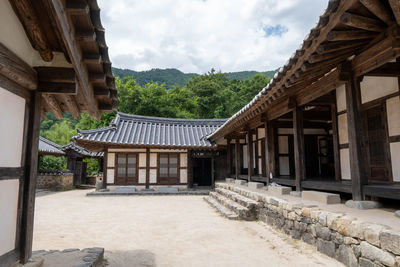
[{"x": 163, "y": 231}]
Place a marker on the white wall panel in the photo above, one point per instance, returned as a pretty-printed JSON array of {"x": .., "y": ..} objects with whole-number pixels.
[
  {"x": 8, "y": 210},
  {"x": 12, "y": 117},
  {"x": 183, "y": 176},
  {"x": 110, "y": 176},
  {"x": 375, "y": 87},
  {"x": 261, "y": 132},
  {"x": 260, "y": 166},
  {"x": 153, "y": 176},
  {"x": 244, "y": 151},
  {"x": 393, "y": 115},
  {"x": 345, "y": 163},
  {"x": 142, "y": 159},
  {"x": 153, "y": 159},
  {"x": 395, "y": 155},
  {"x": 110, "y": 159},
  {"x": 183, "y": 160},
  {"x": 283, "y": 144},
  {"x": 142, "y": 176},
  {"x": 343, "y": 130},
  {"x": 284, "y": 168},
  {"x": 341, "y": 98}
]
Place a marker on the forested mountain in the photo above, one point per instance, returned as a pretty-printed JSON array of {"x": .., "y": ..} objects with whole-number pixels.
[{"x": 172, "y": 77}]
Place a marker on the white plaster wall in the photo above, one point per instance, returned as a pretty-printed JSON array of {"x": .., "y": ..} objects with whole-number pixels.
[
  {"x": 341, "y": 98},
  {"x": 168, "y": 150},
  {"x": 343, "y": 130},
  {"x": 142, "y": 160},
  {"x": 261, "y": 132},
  {"x": 153, "y": 159},
  {"x": 393, "y": 115},
  {"x": 284, "y": 166},
  {"x": 127, "y": 150},
  {"x": 244, "y": 163},
  {"x": 183, "y": 160},
  {"x": 12, "y": 116},
  {"x": 283, "y": 144},
  {"x": 153, "y": 176},
  {"x": 306, "y": 131},
  {"x": 260, "y": 166},
  {"x": 110, "y": 176},
  {"x": 345, "y": 163},
  {"x": 8, "y": 217},
  {"x": 142, "y": 176},
  {"x": 110, "y": 159},
  {"x": 395, "y": 155},
  {"x": 285, "y": 131},
  {"x": 221, "y": 141},
  {"x": 375, "y": 87},
  {"x": 183, "y": 176},
  {"x": 259, "y": 148}
]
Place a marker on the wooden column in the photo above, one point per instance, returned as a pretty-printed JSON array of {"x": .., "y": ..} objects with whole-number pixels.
[
  {"x": 104, "y": 185},
  {"x": 256, "y": 152},
  {"x": 269, "y": 149},
  {"x": 336, "y": 148},
  {"x": 190, "y": 169},
  {"x": 250, "y": 159},
  {"x": 228, "y": 157},
  {"x": 212, "y": 172},
  {"x": 237, "y": 158},
  {"x": 356, "y": 137},
  {"x": 31, "y": 159},
  {"x": 298, "y": 134},
  {"x": 148, "y": 167}
]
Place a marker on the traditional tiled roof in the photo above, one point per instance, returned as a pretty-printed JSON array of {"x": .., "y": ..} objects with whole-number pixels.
[
  {"x": 135, "y": 130},
  {"x": 83, "y": 151},
  {"x": 46, "y": 147}
]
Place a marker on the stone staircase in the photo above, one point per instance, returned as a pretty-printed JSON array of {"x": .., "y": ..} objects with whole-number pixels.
[{"x": 233, "y": 205}]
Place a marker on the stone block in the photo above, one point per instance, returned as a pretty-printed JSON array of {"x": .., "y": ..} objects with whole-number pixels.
[
  {"x": 323, "y": 232},
  {"x": 337, "y": 238},
  {"x": 167, "y": 189},
  {"x": 125, "y": 189},
  {"x": 322, "y": 197},
  {"x": 350, "y": 241},
  {"x": 345, "y": 255},
  {"x": 295, "y": 234},
  {"x": 308, "y": 238},
  {"x": 363, "y": 262},
  {"x": 229, "y": 180},
  {"x": 279, "y": 190},
  {"x": 240, "y": 182},
  {"x": 326, "y": 247},
  {"x": 375, "y": 254},
  {"x": 295, "y": 193},
  {"x": 255, "y": 185},
  {"x": 363, "y": 205},
  {"x": 397, "y": 213},
  {"x": 390, "y": 241},
  {"x": 372, "y": 232}
]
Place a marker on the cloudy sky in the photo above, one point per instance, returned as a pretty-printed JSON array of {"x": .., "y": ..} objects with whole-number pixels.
[{"x": 197, "y": 35}]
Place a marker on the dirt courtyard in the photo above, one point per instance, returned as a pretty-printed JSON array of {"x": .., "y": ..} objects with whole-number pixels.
[{"x": 163, "y": 231}]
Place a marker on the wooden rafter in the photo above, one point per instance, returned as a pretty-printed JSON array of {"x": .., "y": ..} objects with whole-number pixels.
[
  {"x": 72, "y": 106},
  {"x": 378, "y": 9},
  {"x": 348, "y": 35},
  {"x": 361, "y": 22},
  {"x": 52, "y": 103},
  {"x": 395, "y": 4}
]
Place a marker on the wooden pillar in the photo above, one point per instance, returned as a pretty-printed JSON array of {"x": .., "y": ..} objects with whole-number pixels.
[
  {"x": 212, "y": 172},
  {"x": 237, "y": 158},
  {"x": 257, "y": 169},
  {"x": 336, "y": 148},
  {"x": 105, "y": 160},
  {"x": 269, "y": 149},
  {"x": 356, "y": 137},
  {"x": 250, "y": 160},
  {"x": 299, "y": 160},
  {"x": 190, "y": 169},
  {"x": 228, "y": 157},
  {"x": 30, "y": 176},
  {"x": 148, "y": 168}
]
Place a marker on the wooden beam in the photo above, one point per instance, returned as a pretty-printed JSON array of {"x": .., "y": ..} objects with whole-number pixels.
[
  {"x": 237, "y": 158},
  {"x": 228, "y": 156},
  {"x": 343, "y": 54},
  {"x": 361, "y": 22},
  {"x": 52, "y": 103},
  {"x": 377, "y": 8},
  {"x": 250, "y": 158},
  {"x": 347, "y": 35},
  {"x": 85, "y": 36},
  {"x": 58, "y": 88},
  {"x": 29, "y": 187},
  {"x": 337, "y": 46},
  {"x": 56, "y": 75},
  {"x": 28, "y": 17},
  {"x": 355, "y": 136},
  {"x": 92, "y": 59},
  {"x": 102, "y": 92},
  {"x": 75, "y": 54},
  {"x": 106, "y": 107},
  {"x": 97, "y": 77},
  {"x": 299, "y": 154},
  {"x": 335, "y": 136},
  {"x": 395, "y": 4},
  {"x": 17, "y": 70},
  {"x": 390, "y": 69},
  {"x": 72, "y": 106},
  {"x": 77, "y": 8}
]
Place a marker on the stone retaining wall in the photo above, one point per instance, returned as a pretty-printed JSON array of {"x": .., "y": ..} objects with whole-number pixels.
[{"x": 56, "y": 182}]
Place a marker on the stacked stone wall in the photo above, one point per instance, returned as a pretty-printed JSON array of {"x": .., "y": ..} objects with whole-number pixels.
[{"x": 55, "y": 182}]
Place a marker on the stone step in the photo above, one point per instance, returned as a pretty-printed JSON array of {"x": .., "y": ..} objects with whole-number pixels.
[
  {"x": 221, "y": 209},
  {"x": 243, "y": 212},
  {"x": 256, "y": 196},
  {"x": 323, "y": 197},
  {"x": 242, "y": 200}
]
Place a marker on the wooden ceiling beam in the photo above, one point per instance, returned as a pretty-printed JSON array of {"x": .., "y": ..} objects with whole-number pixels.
[
  {"x": 77, "y": 8},
  {"x": 395, "y": 4},
  {"x": 338, "y": 46},
  {"x": 53, "y": 105},
  {"x": 58, "y": 88},
  {"x": 85, "y": 36},
  {"x": 102, "y": 92},
  {"x": 56, "y": 75},
  {"x": 377, "y": 8},
  {"x": 391, "y": 69},
  {"x": 349, "y": 35},
  {"x": 315, "y": 58},
  {"x": 97, "y": 77},
  {"x": 361, "y": 22},
  {"x": 72, "y": 106},
  {"x": 92, "y": 59}
]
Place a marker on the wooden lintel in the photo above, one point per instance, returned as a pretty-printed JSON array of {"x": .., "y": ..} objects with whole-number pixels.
[
  {"x": 92, "y": 59},
  {"x": 347, "y": 35},
  {"x": 77, "y": 8},
  {"x": 378, "y": 9},
  {"x": 17, "y": 70},
  {"x": 361, "y": 22},
  {"x": 85, "y": 36},
  {"x": 58, "y": 88},
  {"x": 395, "y": 4},
  {"x": 55, "y": 74},
  {"x": 97, "y": 77},
  {"x": 102, "y": 92}
]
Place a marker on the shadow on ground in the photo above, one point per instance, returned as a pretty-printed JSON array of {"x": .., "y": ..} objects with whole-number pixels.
[{"x": 131, "y": 258}]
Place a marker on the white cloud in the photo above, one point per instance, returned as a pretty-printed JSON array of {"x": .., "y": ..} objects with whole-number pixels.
[{"x": 197, "y": 35}]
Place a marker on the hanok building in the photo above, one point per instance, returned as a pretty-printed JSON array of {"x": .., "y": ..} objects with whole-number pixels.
[
  {"x": 53, "y": 58},
  {"x": 46, "y": 147},
  {"x": 153, "y": 152},
  {"x": 330, "y": 118}
]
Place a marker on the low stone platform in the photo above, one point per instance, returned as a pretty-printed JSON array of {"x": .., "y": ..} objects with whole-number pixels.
[
  {"x": 163, "y": 192},
  {"x": 279, "y": 190},
  {"x": 323, "y": 197},
  {"x": 88, "y": 257},
  {"x": 255, "y": 185}
]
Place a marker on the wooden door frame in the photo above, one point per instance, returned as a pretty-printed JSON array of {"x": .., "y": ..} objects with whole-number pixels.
[
  {"x": 178, "y": 168},
  {"x": 136, "y": 182}
]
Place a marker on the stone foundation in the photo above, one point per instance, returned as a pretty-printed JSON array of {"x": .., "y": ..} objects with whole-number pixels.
[{"x": 55, "y": 182}]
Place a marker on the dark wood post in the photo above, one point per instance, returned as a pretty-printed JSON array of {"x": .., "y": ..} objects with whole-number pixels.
[
  {"x": 250, "y": 160},
  {"x": 212, "y": 172},
  {"x": 336, "y": 148},
  {"x": 237, "y": 158},
  {"x": 229, "y": 157},
  {"x": 190, "y": 169},
  {"x": 356, "y": 137},
  {"x": 148, "y": 167},
  {"x": 104, "y": 185},
  {"x": 257, "y": 170},
  {"x": 298, "y": 132},
  {"x": 269, "y": 149},
  {"x": 31, "y": 163}
]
